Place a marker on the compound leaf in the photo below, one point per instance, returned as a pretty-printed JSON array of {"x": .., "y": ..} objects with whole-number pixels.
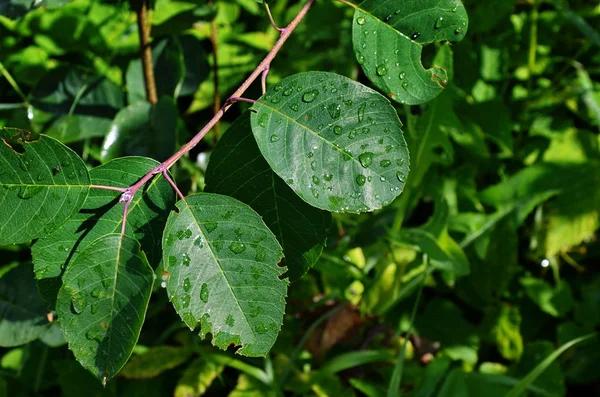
[
  {"x": 335, "y": 142},
  {"x": 43, "y": 183},
  {"x": 221, "y": 265},
  {"x": 388, "y": 38},
  {"x": 101, "y": 214},
  {"x": 237, "y": 169},
  {"x": 102, "y": 303}
]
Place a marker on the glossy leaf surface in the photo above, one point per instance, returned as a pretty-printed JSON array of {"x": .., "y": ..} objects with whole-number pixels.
[
  {"x": 221, "y": 263},
  {"x": 335, "y": 142},
  {"x": 102, "y": 214},
  {"x": 102, "y": 303},
  {"x": 388, "y": 38},
  {"x": 238, "y": 169},
  {"x": 42, "y": 184}
]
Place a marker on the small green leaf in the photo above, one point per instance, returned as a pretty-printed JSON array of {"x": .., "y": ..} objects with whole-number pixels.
[
  {"x": 223, "y": 274},
  {"x": 22, "y": 312},
  {"x": 155, "y": 361},
  {"x": 143, "y": 130},
  {"x": 335, "y": 142},
  {"x": 237, "y": 169},
  {"x": 388, "y": 39},
  {"x": 102, "y": 303},
  {"x": 198, "y": 377},
  {"x": 42, "y": 184},
  {"x": 101, "y": 214}
]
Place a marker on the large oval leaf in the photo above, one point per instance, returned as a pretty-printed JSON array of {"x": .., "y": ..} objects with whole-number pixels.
[
  {"x": 221, "y": 263},
  {"x": 42, "y": 183},
  {"x": 102, "y": 214},
  {"x": 238, "y": 169},
  {"x": 388, "y": 37},
  {"x": 102, "y": 303},
  {"x": 335, "y": 142}
]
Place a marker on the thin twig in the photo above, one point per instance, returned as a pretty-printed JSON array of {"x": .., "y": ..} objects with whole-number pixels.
[
  {"x": 146, "y": 51},
  {"x": 263, "y": 79},
  {"x": 128, "y": 195},
  {"x": 165, "y": 173},
  {"x": 13, "y": 83},
  {"x": 271, "y": 18},
  {"x": 116, "y": 189}
]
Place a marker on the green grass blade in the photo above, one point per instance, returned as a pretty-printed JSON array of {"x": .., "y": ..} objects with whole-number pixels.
[{"x": 522, "y": 386}]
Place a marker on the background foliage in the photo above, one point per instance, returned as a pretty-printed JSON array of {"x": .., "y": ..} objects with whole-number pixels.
[{"x": 498, "y": 218}]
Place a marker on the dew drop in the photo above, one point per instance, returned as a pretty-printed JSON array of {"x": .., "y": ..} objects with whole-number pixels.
[
  {"x": 211, "y": 226},
  {"x": 260, "y": 255},
  {"x": 361, "y": 112},
  {"x": 405, "y": 85},
  {"x": 198, "y": 242},
  {"x": 78, "y": 304},
  {"x": 94, "y": 307},
  {"x": 261, "y": 328},
  {"x": 402, "y": 75},
  {"x": 385, "y": 163},
  {"x": 237, "y": 247},
  {"x": 186, "y": 284},
  {"x": 438, "y": 23},
  {"x": 400, "y": 176},
  {"x": 294, "y": 107},
  {"x": 316, "y": 180},
  {"x": 361, "y": 180},
  {"x": 186, "y": 259},
  {"x": 172, "y": 261},
  {"x": 263, "y": 119},
  {"x": 274, "y": 138},
  {"x": 366, "y": 159},
  {"x": 310, "y": 96},
  {"x": 288, "y": 92},
  {"x": 337, "y": 130},
  {"x": 381, "y": 70},
  {"x": 415, "y": 35},
  {"x": 230, "y": 321},
  {"x": 106, "y": 282},
  {"x": 290, "y": 181},
  {"x": 328, "y": 177},
  {"x": 313, "y": 165},
  {"x": 204, "y": 293},
  {"x": 185, "y": 301},
  {"x": 334, "y": 109},
  {"x": 360, "y": 20},
  {"x": 96, "y": 293}
]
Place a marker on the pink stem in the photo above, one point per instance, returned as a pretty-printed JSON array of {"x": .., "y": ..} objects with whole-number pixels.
[
  {"x": 263, "y": 79},
  {"x": 116, "y": 189},
  {"x": 240, "y": 99},
  {"x": 129, "y": 193},
  {"x": 173, "y": 184}
]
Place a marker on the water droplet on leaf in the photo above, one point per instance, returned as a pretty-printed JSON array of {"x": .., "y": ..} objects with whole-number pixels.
[
  {"x": 361, "y": 180},
  {"x": 310, "y": 96},
  {"x": 204, "y": 293},
  {"x": 237, "y": 247},
  {"x": 366, "y": 159}
]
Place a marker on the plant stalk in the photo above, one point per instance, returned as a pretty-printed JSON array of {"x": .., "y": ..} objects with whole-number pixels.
[
  {"x": 286, "y": 32},
  {"x": 146, "y": 51}
]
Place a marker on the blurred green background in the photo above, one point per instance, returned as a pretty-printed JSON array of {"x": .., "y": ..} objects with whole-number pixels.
[{"x": 498, "y": 221}]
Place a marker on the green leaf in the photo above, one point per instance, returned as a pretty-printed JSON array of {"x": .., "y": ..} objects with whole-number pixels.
[
  {"x": 335, "y": 142},
  {"x": 100, "y": 215},
  {"x": 155, "y": 361},
  {"x": 175, "y": 16},
  {"x": 17, "y": 8},
  {"x": 73, "y": 104},
  {"x": 22, "y": 312},
  {"x": 143, "y": 130},
  {"x": 43, "y": 183},
  {"x": 388, "y": 38},
  {"x": 532, "y": 376},
  {"x": 102, "y": 304},
  {"x": 556, "y": 301},
  {"x": 169, "y": 70},
  {"x": 237, "y": 169},
  {"x": 222, "y": 261},
  {"x": 198, "y": 377}
]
